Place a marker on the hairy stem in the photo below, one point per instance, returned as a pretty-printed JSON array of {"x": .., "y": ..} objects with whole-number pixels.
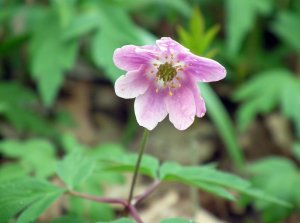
[{"x": 137, "y": 166}]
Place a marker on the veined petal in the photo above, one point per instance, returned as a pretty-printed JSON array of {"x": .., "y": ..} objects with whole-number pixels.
[
  {"x": 181, "y": 108},
  {"x": 131, "y": 57},
  {"x": 204, "y": 69},
  {"x": 150, "y": 109},
  {"x": 132, "y": 84},
  {"x": 169, "y": 45},
  {"x": 199, "y": 101}
]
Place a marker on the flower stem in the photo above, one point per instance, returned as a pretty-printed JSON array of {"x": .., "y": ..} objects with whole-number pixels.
[{"x": 138, "y": 163}]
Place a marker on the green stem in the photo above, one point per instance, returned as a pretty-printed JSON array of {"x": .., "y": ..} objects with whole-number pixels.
[{"x": 138, "y": 163}]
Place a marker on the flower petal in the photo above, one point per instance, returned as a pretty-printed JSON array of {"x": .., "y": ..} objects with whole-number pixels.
[
  {"x": 181, "y": 108},
  {"x": 150, "y": 108},
  {"x": 131, "y": 57},
  {"x": 132, "y": 84},
  {"x": 170, "y": 45},
  {"x": 204, "y": 69},
  {"x": 199, "y": 101}
]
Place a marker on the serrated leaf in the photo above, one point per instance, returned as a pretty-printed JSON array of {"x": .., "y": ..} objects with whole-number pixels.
[
  {"x": 29, "y": 196},
  {"x": 113, "y": 20},
  {"x": 196, "y": 38},
  {"x": 74, "y": 169},
  {"x": 94, "y": 211},
  {"x": 38, "y": 207},
  {"x": 81, "y": 25},
  {"x": 51, "y": 56},
  {"x": 241, "y": 18},
  {"x": 17, "y": 109},
  {"x": 287, "y": 27},
  {"x": 195, "y": 176},
  {"x": 263, "y": 177},
  {"x": 259, "y": 99},
  {"x": 35, "y": 155},
  {"x": 126, "y": 163},
  {"x": 205, "y": 174}
]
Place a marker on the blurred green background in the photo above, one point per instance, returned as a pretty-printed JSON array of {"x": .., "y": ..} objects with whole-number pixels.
[{"x": 56, "y": 93}]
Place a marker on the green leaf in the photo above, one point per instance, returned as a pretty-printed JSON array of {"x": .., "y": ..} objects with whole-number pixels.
[
  {"x": 180, "y": 6},
  {"x": 70, "y": 144},
  {"x": 10, "y": 171},
  {"x": 113, "y": 20},
  {"x": 241, "y": 15},
  {"x": 259, "y": 99},
  {"x": 17, "y": 109},
  {"x": 82, "y": 24},
  {"x": 51, "y": 56},
  {"x": 38, "y": 207},
  {"x": 28, "y": 196},
  {"x": 217, "y": 112},
  {"x": 75, "y": 168},
  {"x": 177, "y": 220},
  {"x": 286, "y": 27},
  {"x": 198, "y": 41},
  {"x": 196, "y": 38},
  {"x": 93, "y": 211},
  {"x": 196, "y": 176},
  {"x": 126, "y": 163},
  {"x": 69, "y": 218},
  {"x": 121, "y": 220},
  {"x": 296, "y": 150},
  {"x": 263, "y": 177},
  {"x": 35, "y": 155}
]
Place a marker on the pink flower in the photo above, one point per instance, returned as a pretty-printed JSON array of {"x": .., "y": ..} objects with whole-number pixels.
[{"x": 163, "y": 79}]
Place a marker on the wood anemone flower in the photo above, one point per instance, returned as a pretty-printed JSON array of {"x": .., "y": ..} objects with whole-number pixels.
[{"x": 163, "y": 78}]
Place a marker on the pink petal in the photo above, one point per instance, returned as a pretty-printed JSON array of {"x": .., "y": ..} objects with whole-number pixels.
[
  {"x": 199, "y": 101},
  {"x": 150, "y": 108},
  {"x": 204, "y": 69},
  {"x": 132, "y": 84},
  {"x": 181, "y": 108},
  {"x": 131, "y": 57},
  {"x": 170, "y": 45}
]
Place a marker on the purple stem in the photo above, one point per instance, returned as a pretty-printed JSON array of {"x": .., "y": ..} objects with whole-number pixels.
[
  {"x": 130, "y": 207},
  {"x": 100, "y": 199},
  {"x": 146, "y": 193},
  {"x": 134, "y": 214},
  {"x": 132, "y": 210}
]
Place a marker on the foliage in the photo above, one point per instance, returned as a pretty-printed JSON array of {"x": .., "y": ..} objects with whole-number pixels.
[
  {"x": 264, "y": 177},
  {"x": 16, "y": 105},
  {"x": 286, "y": 22},
  {"x": 28, "y": 196},
  {"x": 241, "y": 18},
  {"x": 199, "y": 41},
  {"x": 282, "y": 91},
  {"x": 45, "y": 43},
  {"x": 79, "y": 168},
  {"x": 171, "y": 220},
  {"x": 35, "y": 156}
]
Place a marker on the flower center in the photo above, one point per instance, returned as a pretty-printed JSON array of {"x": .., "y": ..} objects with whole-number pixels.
[{"x": 166, "y": 72}]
